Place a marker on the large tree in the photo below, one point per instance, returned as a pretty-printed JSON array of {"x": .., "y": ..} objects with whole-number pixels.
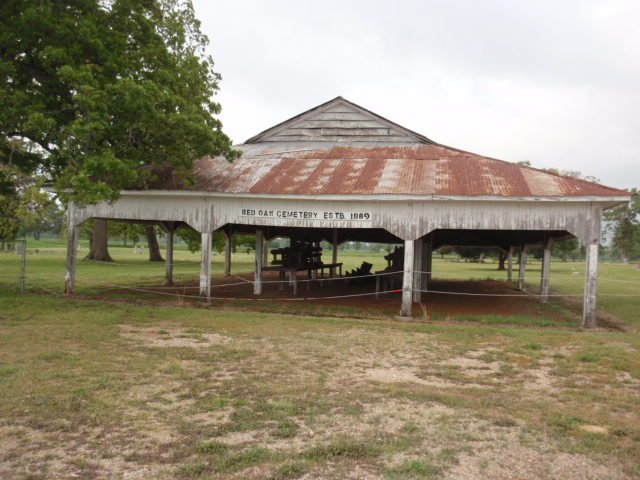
[
  {"x": 104, "y": 95},
  {"x": 624, "y": 222}
]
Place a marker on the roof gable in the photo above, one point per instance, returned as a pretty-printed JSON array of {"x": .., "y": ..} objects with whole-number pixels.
[{"x": 340, "y": 121}]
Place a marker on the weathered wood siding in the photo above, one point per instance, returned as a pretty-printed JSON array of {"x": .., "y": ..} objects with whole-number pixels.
[
  {"x": 408, "y": 220},
  {"x": 339, "y": 121}
]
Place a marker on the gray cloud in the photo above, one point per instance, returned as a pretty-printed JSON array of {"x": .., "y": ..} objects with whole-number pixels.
[{"x": 555, "y": 83}]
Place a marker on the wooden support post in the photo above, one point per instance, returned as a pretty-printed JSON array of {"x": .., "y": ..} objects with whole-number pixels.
[
  {"x": 523, "y": 267},
  {"x": 294, "y": 281},
  {"x": 72, "y": 257},
  {"x": 429, "y": 262},
  {"x": 417, "y": 267},
  {"x": 257, "y": 282},
  {"x": 510, "y": 264},
  {"x": 590, "y": 287},
  {"x": 334, "y": 243},
  {"x": 205, "y": 265},
  {"x": 407, "y": 279},
  {"x": 546, "y": 271},
  {"x": 227, "y": 253},
  {"x": 265, "y": 253},
  {"x": 169, "y": 256}
]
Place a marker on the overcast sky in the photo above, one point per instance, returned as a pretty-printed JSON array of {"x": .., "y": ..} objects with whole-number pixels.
[{"x": 553, "y": 82}]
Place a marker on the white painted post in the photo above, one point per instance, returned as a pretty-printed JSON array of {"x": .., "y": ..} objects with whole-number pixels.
[
  {"x": 72, "y": 255},
  {"x": 169, "y": 257},
  {"x": 417, "y": 275},
  {"x": 334, "y": 243},
  {"x": 265, "y": 252},
  {"x": 523, "y": 267},
  {"x": 407, "y": 279},
  {"x": 257, "y": 283},
  {"x": 205, "y": 265},
  {"x": 590, "y": 287},
  {"x": 510, "y": 264},
  {"x": 546, "y": 271},
  {"x": 424, "y": 282},
  {"x": 227, "y": 253},
  {"x": 429, "y": 262}
]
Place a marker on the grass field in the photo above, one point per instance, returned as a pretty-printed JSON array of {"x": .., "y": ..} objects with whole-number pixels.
[{"x": 98, "y": 387}]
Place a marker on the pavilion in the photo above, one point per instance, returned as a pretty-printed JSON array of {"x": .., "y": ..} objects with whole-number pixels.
[{"x": 339, "y": 172}]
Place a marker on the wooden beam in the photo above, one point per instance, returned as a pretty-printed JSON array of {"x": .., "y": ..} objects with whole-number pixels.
[
  {"x": 523, "y": 267},
  {"x": 429, "y": 262},
  {"x": 205, "y": 265},
  {"x": 417, "y": 267},
  {"x": 510, "y": 264},
  {"x": 334, "y": 243},
  {"x": 169, "y": 257},
  {"x": 546, "y": 271},
  {"x": 227, "y": 252},
  {"x": 590, "y": 287},
  {"x": 257, "y": 283},
  {"x": 72, "y": 258},
  {"x": 265, "y": 252},
  {"x": 407, "y": 279}
]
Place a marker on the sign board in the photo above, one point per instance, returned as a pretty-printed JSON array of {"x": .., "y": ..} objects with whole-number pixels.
[{"x": 291, "y": 214}]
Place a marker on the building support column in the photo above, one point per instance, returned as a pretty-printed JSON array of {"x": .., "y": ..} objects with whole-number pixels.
[
  {"x": 265, "y": 252},
  {"x": 417, "y": 270},
  {"x": 523, "y": 267},
  {"x": 205, "y": 265},
  {"x": 510, "y": 264},
  {"x": 590, "y": 287},
  {"x": 546, "y": 271},
  {"x": 334, "y": 243},
  {"x": 168, "y": 278},
  {"x": 407, "y": 279},
  {"x": 257, "y": 282},
  {"x": 227, "y": 252},
  {"x": 429, "y": 261},
  {"x": 72, "y": 258}
]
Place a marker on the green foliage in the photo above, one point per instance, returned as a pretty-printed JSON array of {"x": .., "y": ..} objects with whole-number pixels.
[
  {"x": 624, "y": 223},
  {"x": 566, "y": 248},
  {"x": 101, "y": 96},
  {"x": 9, "y": 221}
]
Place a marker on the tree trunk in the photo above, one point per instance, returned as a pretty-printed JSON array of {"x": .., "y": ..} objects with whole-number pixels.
[
  {"x": 36, "y": 234},
  {"x": 502, "y": 257},
  {"x": 125, "y": 237},
  {"x": 99, "y": 242},
  {"x": 152, "y": 243}
]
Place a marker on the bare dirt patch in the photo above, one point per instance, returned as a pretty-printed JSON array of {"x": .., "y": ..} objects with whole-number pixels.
[
  {"x": 400, "y": 375},
  {"x": 166, "y": 336},
  {"x": 505, "y": 458}
]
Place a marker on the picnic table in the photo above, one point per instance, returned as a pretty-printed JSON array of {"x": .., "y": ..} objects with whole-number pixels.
[{"x": 312, "y": 273}]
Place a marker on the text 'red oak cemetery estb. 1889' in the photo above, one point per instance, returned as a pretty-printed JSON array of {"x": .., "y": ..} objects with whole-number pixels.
[{"x": 363, "y": 216}]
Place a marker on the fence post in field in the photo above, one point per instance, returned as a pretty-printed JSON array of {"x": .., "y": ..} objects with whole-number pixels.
[{"x": 23, "y": 263}]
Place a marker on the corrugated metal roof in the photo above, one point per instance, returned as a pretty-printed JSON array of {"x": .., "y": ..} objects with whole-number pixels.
[
  {"x": 340, "y": 148},
  {"x": 321, "y": 169}
]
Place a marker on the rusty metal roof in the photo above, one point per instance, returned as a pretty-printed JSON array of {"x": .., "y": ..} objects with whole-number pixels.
[
  {"x": 286, "y": 169},
  {"x": 340, "y": 148}
]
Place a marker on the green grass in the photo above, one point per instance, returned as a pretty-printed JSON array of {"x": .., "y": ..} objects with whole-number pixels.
[{"x": 233, "y": 392}]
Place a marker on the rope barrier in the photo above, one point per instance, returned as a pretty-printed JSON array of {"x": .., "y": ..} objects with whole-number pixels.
[{"x": 286, "y": 299}]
